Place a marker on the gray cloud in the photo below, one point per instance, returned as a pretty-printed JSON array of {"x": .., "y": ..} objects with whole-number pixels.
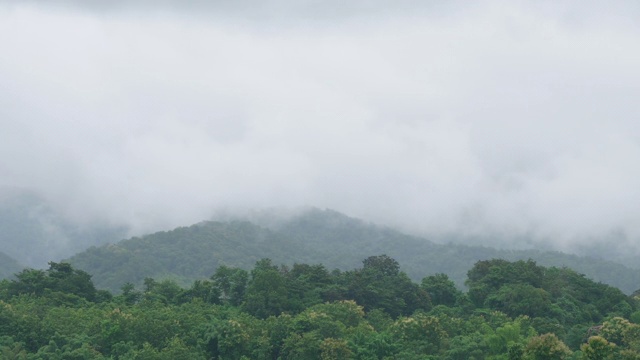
[
  {"x": 282, "y": 11},
  {"x": 499, "y": 119}
]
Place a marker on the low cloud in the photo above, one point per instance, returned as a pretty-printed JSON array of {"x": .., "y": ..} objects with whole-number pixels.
[{"x": 499, "y": 120}]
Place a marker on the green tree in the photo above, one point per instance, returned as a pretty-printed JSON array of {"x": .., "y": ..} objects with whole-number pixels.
[
  {"x": 307, "y": 285},
  {"x": 334, "y": 349},
  {"x": 598, "y": 348},
  {"x": 231, "y": 284},
  {"x": 619, "y": 331},
  {"x": 60, "y": 277},
  {"x": 232, "y": 338},
  {"x": 14, "y": 351},
  {"x": 520, "y": 299},
  {"x": 129, "y": 294},
  {"x": 203, "y": 290},
  {"x": 381, "y": 284},
  {"x": 441, "y": 290},
  {"x": 547, "y": 347},
  {"x": 422, "y": 333},
  {"x": 266, "y": 292},
  {"x": 487, "y": 276}
]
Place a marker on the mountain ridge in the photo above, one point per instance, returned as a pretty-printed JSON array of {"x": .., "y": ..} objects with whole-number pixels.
[
  {"x": 33, "y": 232},
  {"x": 314, "y": 236}
]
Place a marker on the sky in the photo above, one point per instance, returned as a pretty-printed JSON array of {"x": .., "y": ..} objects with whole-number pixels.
[{"x": 493, "y": 120}]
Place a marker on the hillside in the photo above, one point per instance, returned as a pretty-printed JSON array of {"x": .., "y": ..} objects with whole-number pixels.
[
  {"x": 8, "y": 266},
  {"x": 316, "y": 236},
  {"x": 28, "y": 223},
  {"x": 186, "y": 253},
  {"x": 420, "y": 256}
]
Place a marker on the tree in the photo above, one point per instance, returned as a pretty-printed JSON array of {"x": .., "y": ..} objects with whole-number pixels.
[
  {"x": 619, "y": 331},
  {"x": 547, "y": 347},
  {"x": 13, "y": 352},
  {"x": 168, "y": 291},
  {"x": 266, "y": 292},
  {"x": 334, "y": 349},
  {"x": 307, "y": 285},
  {"x": 231, "y": 284},
  {"x": 381, "y": 284},
  {"x": 488, "y": 276},
  {"x": 381, "y": 265},
  {"x": 60, "y": 277},
  {"x": 441, "y": 290},
  {"x": 231, "y": 338},
  {"x": 598, "y": 348},
  {"x": 520, "y": 299},
  {"x": 28, "y": 281},
  {"x": 203, "y": 290},
  {"x": 129, "y": 294},
  {"x": 421, "y": 333}
]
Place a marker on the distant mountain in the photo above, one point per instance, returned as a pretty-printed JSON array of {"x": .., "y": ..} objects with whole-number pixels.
[
  {"x": 421, "y": 257},
  {"x": 187, "y": 253},
  {"x": 315, "y": 236},
  {"x": 33, "y": 233},
  {"x": 8, "y": 266}
]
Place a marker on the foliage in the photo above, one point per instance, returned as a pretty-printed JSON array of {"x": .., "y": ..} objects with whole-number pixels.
[
  {"x": 60, "y": 278},
  {"x": 547, "y": 347},
  {"x": 305, "y": 312},
  {"x": 317, "y": 236},
  {"x": 441, "y": 290}
]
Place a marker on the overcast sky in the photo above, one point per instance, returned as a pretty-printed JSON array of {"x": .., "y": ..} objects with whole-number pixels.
[{"x": 503, "y": 117}]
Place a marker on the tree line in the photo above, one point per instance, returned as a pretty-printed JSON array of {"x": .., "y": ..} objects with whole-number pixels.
[{"x": 330, "y": 238}]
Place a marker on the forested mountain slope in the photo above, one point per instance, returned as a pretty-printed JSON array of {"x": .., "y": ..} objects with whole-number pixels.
[
  {"x": 187, "y": 253},
  {"x": 317, "y": 236},
  {"x": 327, "y": 230},
  {"x": 8, "y": 266},
  {"x": 34, "y": 233}
]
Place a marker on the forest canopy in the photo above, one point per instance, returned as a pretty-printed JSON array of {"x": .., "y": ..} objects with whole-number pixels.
[
  {"x": 189, "y": 253},
  {"x": 512, "y": 310}
]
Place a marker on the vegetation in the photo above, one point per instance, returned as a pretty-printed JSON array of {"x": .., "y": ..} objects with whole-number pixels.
[
  {"x": 512, "y": 310},
  {"x": 186, "y": 253},
  {"x": 195, "y": 252}
]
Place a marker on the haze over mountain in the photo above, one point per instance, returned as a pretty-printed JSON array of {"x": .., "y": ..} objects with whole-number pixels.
[
  {"x": 8, "y": 266},
  {"x": 512, "y": 124},
  {"x": 316, "y": 236},
  {"x": 32, "y": 233}
]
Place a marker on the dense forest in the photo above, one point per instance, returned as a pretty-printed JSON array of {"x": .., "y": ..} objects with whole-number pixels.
[
  {"x": 512, "y": 310},
  {"x": 316, "y": 236}
]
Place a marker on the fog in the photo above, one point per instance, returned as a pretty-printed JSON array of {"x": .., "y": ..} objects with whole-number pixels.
[{"x": 494, "y": 122}]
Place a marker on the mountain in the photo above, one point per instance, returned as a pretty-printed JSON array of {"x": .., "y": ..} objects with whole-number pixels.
[
  {"x": 187, "y": 253},
  {"x": 421, "y": 257},
  {"x": 315, "y": 236},
  {"x": 8, "y": 266},
  {"x": 34, "y": 233}
]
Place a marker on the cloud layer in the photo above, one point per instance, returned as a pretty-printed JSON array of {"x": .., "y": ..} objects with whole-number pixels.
[{"x": 501, "y": 119}]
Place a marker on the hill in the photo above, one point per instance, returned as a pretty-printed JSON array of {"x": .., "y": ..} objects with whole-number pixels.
[
  {"x": 186, "y": 253},
  {"x": 316, "y": 236},
  {"x": 328, "y": 230},
  {"x": 8, "y": 266},
  {"x": 34, "y": 233}
]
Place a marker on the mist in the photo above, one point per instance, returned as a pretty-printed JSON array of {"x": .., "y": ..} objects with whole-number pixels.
[{"x": 504, "y": 123}]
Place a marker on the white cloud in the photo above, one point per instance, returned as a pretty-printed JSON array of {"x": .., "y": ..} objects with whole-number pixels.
[{"x": 498, "y": 118}]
